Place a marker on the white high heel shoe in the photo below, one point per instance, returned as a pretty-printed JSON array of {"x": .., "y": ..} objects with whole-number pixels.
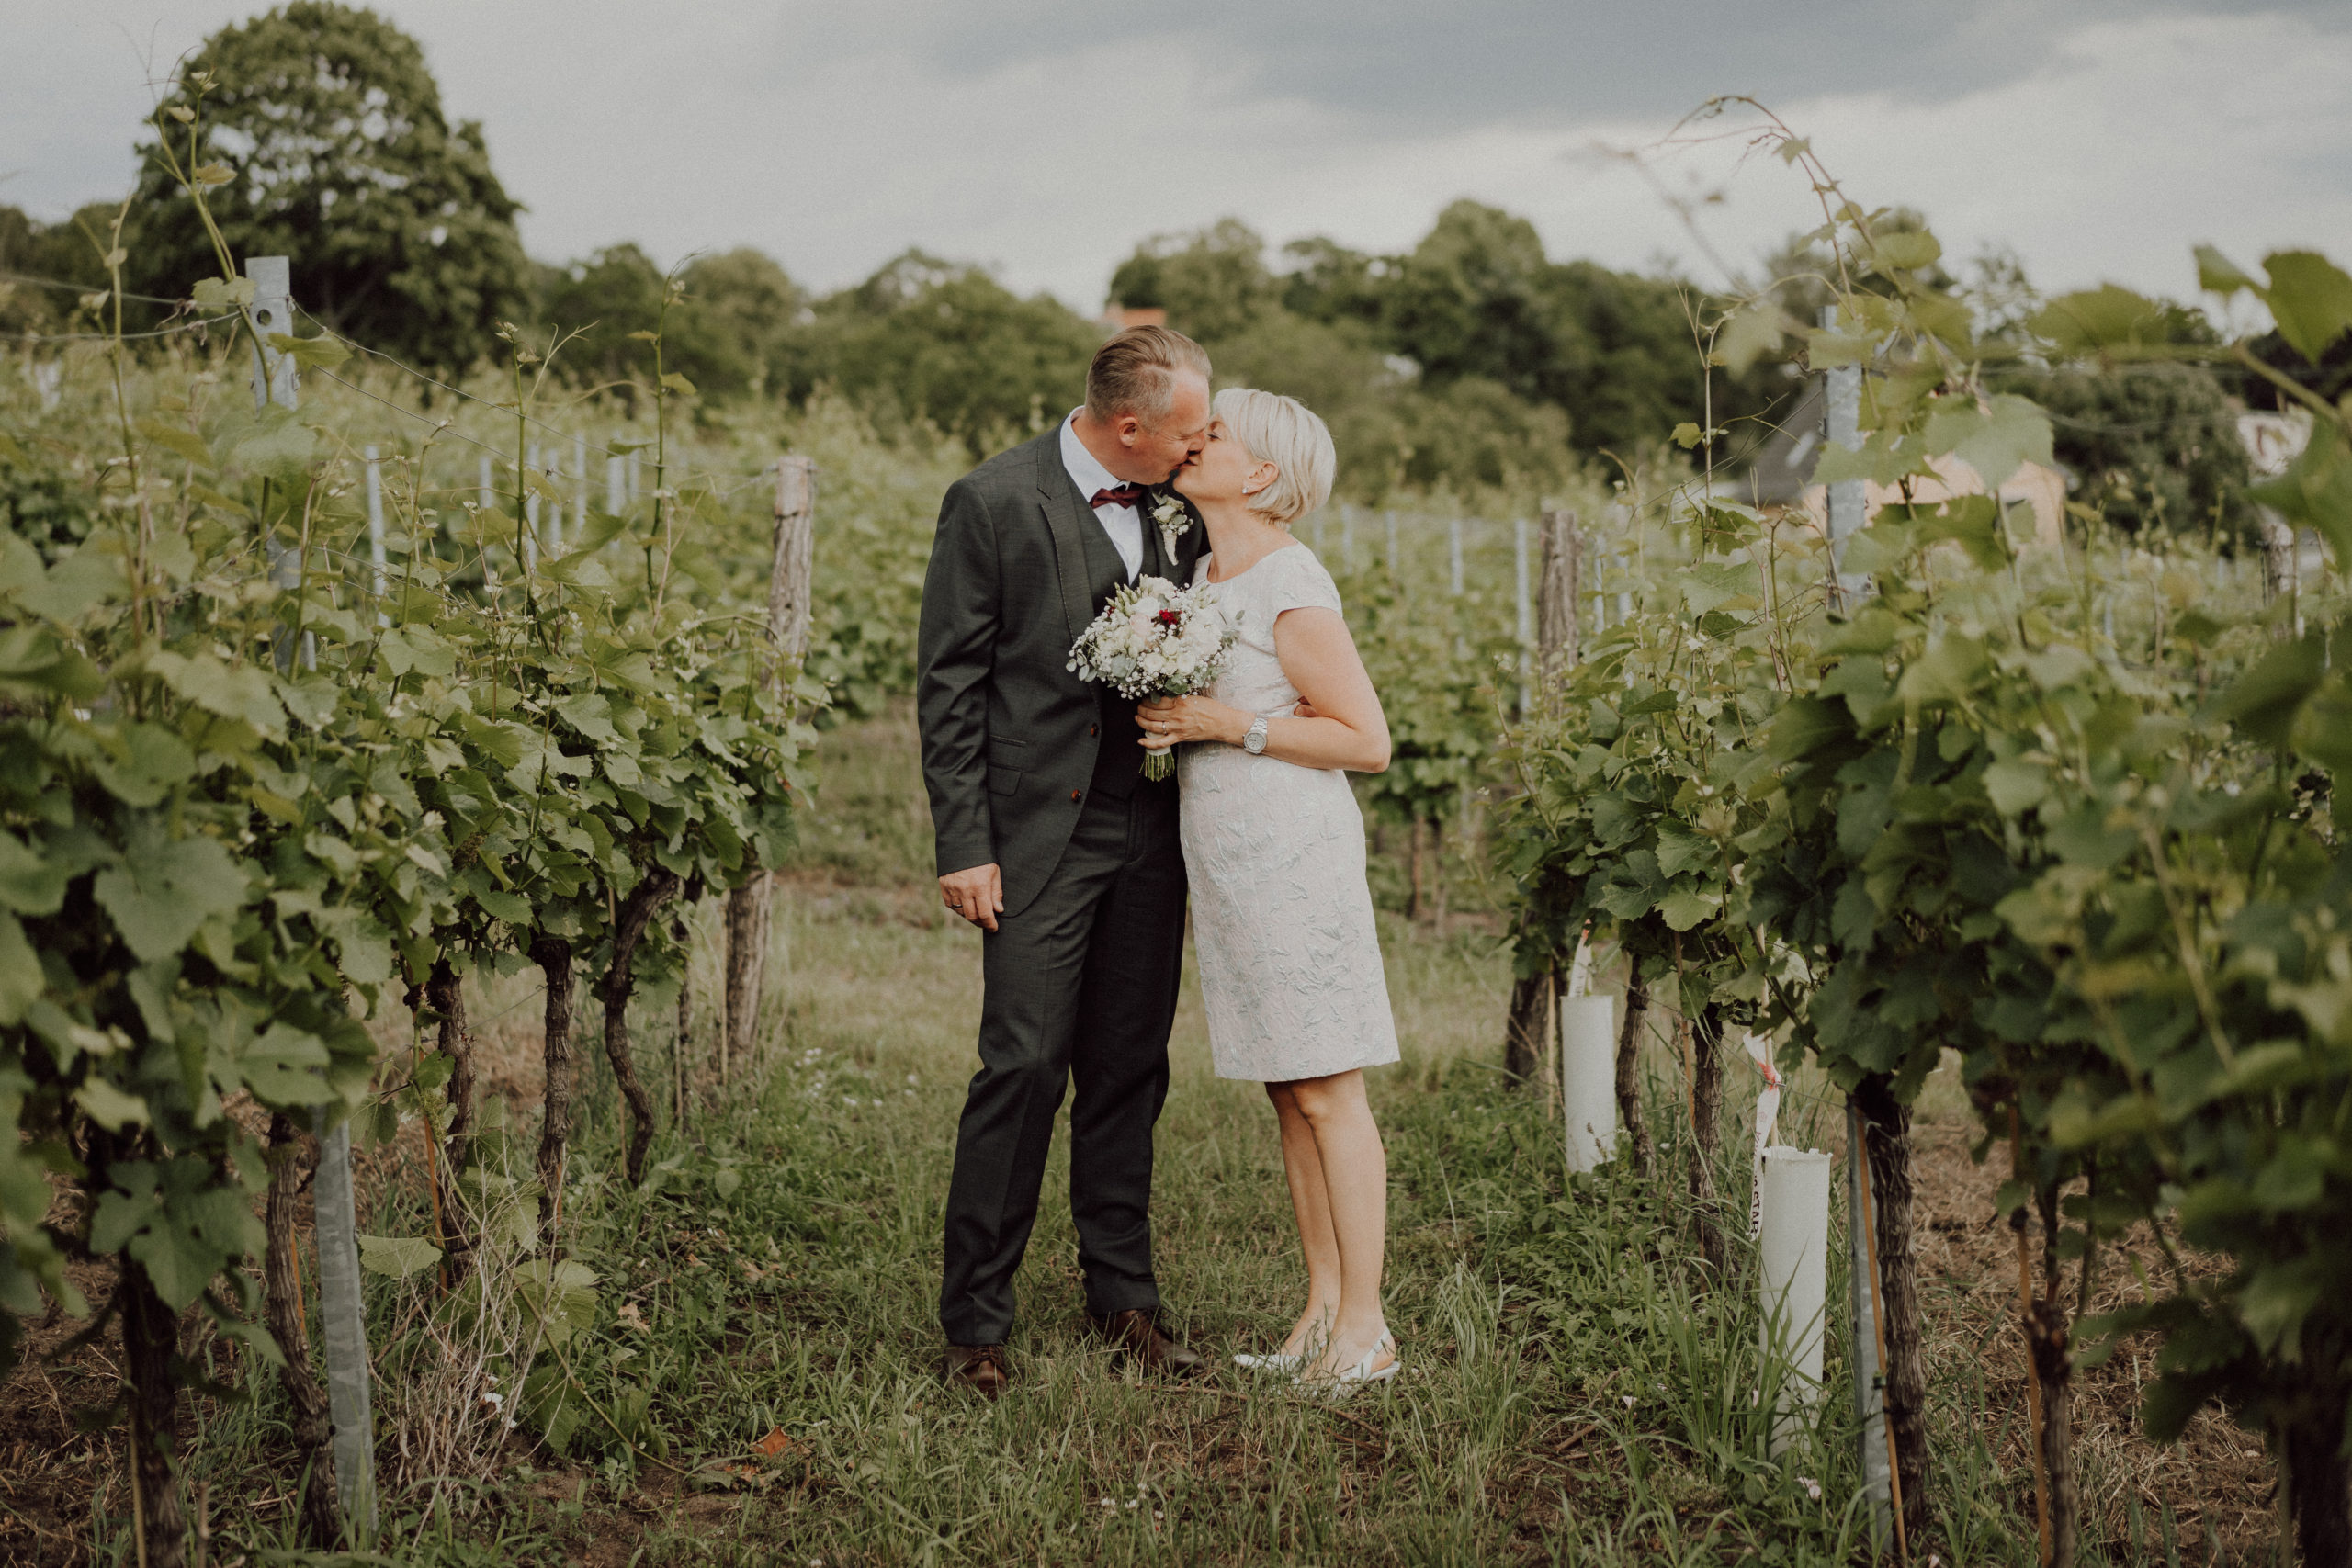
[
  {"x": 1345, "y": 1384},
  {"x": 1286, "y": 1362}
]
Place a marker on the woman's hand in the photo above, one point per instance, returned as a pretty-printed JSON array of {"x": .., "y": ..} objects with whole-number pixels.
[{"x": 1166, "y": 720}]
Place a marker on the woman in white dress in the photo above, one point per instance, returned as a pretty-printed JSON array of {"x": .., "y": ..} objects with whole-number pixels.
[{"x": 1274, "y": 850}]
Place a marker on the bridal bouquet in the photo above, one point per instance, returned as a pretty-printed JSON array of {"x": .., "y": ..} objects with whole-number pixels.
[{"x": 1155, "y": 639}]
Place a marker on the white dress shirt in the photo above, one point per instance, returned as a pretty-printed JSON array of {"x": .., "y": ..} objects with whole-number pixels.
[{"x": 1122, "y": 524}]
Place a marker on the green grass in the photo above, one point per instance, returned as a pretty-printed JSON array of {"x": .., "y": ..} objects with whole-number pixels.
[{"x": 1574, "y": 1392}]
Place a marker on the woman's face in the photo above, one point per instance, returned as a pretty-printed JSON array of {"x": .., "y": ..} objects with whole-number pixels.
[{"x": 1221, "y": 470}]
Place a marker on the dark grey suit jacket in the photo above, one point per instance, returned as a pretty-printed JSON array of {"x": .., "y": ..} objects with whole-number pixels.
[{"x": 1011, "y": 740}]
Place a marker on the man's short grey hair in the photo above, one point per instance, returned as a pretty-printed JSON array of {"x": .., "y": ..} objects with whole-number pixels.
[
  {"x": 1136, "y": 373},
  {"x": 1293, "y": 437}
]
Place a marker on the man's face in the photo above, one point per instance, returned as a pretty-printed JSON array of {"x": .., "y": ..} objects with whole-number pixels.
[{"x": 1160, "y": 448}]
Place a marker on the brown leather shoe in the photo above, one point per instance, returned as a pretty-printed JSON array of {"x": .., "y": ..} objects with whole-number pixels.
[
  {"x": 1138, "y": 1332},
  {"x": 981, "y": 1367}
]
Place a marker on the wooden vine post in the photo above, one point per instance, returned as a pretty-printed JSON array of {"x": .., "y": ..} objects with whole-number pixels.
[
  {"x": 1561, "y": 574},
  {"x": 1530, "y": 1048},
  {"x": 291, "y": 1154},
  {"x": 1705, "y": 1033},
  {"x": 789, "y": 609},
  {"x": 1869, "y": 1359},
  {"x": 553, "y": 956},
  {"x": 1886, "y": 1301}
]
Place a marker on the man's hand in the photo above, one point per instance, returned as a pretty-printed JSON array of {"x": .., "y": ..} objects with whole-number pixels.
[{"x": 977, "y": 895}]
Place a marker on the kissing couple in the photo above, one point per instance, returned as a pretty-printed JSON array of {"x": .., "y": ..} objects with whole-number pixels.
[{"x": 1075, "y": 866}]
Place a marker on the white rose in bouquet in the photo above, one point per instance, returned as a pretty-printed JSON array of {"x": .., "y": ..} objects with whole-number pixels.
[{"x": 1155, "y": 639}]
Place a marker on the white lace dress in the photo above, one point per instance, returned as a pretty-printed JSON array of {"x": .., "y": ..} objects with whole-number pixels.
[{"x": 1282, "y": 916}]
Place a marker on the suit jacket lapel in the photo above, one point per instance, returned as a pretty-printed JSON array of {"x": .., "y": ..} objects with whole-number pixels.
[{"x": 1066, "y": 517}]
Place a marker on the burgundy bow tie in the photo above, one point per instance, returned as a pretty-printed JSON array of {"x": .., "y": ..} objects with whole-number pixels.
[{"x": 1124, "y": 495}]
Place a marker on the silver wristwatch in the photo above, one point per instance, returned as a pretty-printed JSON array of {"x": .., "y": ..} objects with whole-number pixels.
[{"x": 1255, "y": 741}]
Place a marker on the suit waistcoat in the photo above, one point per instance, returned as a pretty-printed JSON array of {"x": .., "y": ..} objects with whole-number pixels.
[{"x": 1118, "y": 764}]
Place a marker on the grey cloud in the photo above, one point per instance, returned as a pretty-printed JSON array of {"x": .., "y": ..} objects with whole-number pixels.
[{"x": 1408, "y": 65}]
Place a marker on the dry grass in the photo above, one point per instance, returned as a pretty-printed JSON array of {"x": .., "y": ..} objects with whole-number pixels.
[{"x": 2217, "y": 1481}]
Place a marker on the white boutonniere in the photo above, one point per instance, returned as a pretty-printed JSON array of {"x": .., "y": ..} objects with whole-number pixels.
[{"x": 1174, "y": 519}]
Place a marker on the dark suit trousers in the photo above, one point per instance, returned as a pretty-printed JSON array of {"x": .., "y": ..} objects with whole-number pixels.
[{"x": 1080, "y": 987}]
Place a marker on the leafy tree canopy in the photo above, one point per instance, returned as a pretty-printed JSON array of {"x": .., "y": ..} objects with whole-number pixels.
[
  {"x": 1215, "y": 283},
  {"x": 45, "y": 267},
  {"x": 2155, "y": 446},
  {"x": 2331, "y": 377},
  {"x": 323, "y": 130},
  {"x": 931, "y": 339},
  {"x": 728, "y": 335},
  {"x": 1476, "y": 301},
  {"x": 1471, "y": 300}
]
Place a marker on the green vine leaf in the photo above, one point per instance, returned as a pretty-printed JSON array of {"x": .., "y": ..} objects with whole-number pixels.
[{"x": 396, "y": 1258}]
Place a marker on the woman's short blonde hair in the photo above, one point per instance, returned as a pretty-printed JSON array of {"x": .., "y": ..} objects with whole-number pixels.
[{"x": 1293, "y": 437}]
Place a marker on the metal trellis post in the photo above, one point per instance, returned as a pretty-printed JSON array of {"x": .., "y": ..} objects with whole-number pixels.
[
  {"x": 272, "y": 311},
  {"x": 1842, "y": 422},
  {"x": 342, "y": 1326},
  {"x": 377, "y": 578}
]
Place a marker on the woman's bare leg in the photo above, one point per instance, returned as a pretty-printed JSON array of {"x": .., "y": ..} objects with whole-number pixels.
[
  {"x": 1355, "y": 1184},
  {"x": 1302, "y": 1164}
]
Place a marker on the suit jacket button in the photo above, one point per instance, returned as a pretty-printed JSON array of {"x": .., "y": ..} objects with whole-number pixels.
[
  {"x": 1093, "y": 729},
  {"x": 1076, "y": 793}
]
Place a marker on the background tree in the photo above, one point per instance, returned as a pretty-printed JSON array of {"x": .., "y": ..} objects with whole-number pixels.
[
  {"x": 1328, "y": 282},
  {"x": 925, "y": 338},
  {"x": 2330, "y": 376},
  {"x": 1405, "y": 354},
  {"x": 1471, "y": 300},
  {"x": 328, "y": 128},
  {"x": 2155, "y": 446},
  {"x": 742, "y": 309},
  {"x": 1214, "y": 281},
  {"x": 604, "y": 297},
  {"x": 728, "y": 336},
  {"x": 36, "y": 257}
]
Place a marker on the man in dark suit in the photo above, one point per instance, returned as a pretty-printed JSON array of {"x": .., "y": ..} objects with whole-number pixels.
[{"x": 1052, "y": 842}]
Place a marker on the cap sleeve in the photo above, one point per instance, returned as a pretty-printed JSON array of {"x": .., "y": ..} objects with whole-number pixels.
[{"x": 1301, "y": 585}]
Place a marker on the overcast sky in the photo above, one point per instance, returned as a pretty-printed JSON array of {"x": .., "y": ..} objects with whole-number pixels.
[{"x": 2100, "y": 137}]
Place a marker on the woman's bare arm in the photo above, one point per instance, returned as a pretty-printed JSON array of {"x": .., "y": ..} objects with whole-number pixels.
[{"x": 1343, "y": 727}]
